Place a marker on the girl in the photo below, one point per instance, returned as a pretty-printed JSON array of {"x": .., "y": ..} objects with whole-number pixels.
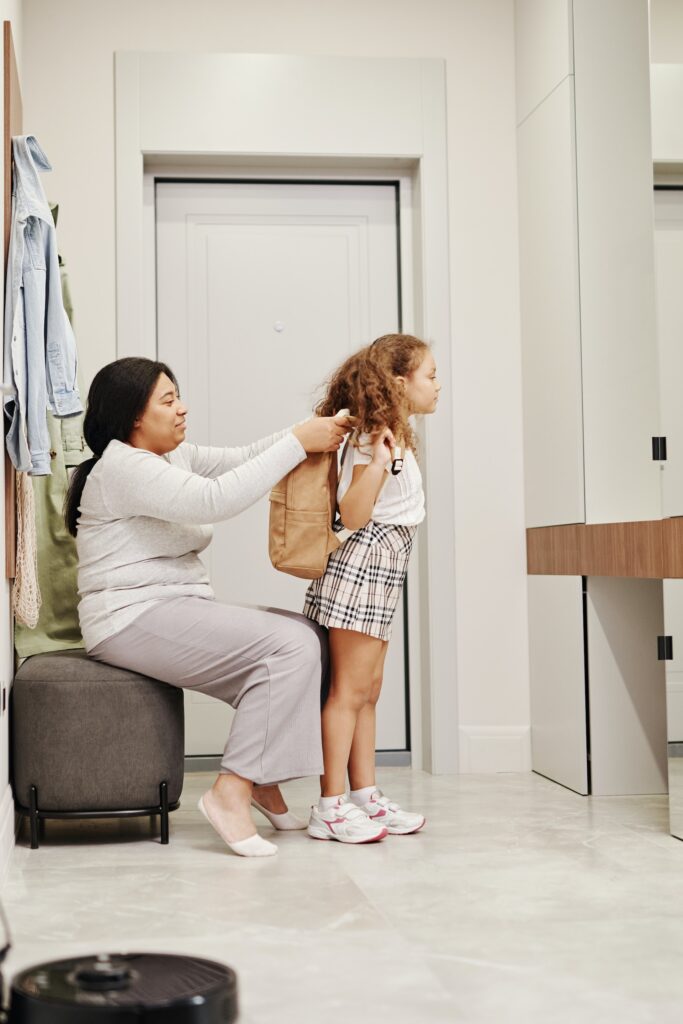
[{"x": 382, "y": 386}]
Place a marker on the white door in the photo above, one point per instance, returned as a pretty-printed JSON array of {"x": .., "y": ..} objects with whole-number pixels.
[{"x": 262, "y": 289}]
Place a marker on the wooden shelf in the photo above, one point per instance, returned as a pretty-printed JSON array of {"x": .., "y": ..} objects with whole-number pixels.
[{"x": 641, "y": 550}]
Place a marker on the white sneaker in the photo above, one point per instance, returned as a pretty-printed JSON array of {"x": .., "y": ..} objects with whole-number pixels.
[
  {"x": 397, "y": 822},
  {"x": 344, "y": 822}
]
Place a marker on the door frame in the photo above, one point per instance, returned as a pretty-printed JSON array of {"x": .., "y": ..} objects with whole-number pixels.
[
  {"x": 356, "y": 117},
  {"x": 169, "y": 171}
]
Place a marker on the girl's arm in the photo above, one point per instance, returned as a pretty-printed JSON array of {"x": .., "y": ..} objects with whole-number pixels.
[{"x": 357, "y": 505}]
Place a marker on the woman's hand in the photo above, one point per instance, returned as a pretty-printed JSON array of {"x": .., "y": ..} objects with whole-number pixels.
[
  {"x": 322, "y": 433},
  {"x": 382, "y": 445}
]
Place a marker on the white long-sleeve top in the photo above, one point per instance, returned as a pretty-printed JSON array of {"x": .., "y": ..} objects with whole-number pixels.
[{"x": 144, "y": 519}]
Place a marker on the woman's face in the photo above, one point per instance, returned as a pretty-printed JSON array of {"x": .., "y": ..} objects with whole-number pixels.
[
  {"x": 422, "y": 387},
  {"x": 161, "y": 428}
]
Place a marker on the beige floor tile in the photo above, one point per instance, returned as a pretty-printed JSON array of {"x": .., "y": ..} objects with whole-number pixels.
[{"x": 519, "y": 902}]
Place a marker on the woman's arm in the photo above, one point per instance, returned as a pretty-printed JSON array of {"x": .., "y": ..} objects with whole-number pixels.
[
  {"x": 139, "y": 483},
  {"x": 357, "y": 505},
  {"x": 211, "y": 461}
]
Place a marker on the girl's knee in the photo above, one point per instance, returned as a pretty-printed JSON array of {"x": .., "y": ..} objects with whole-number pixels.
[{"x": 349, "y": 695}]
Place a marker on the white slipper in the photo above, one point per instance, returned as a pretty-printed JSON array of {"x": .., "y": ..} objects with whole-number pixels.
[
  {"x": 286, "y": 822},
  {"x": 252, "y": 846}
]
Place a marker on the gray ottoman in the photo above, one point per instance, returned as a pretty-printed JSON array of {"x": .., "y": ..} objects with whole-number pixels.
[{"x": 93, "y": 741}]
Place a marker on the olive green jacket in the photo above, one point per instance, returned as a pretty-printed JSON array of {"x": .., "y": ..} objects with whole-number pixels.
[{"x": 58, "y": 628}]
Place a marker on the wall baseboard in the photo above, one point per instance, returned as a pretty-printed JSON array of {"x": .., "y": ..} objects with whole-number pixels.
[
  {"x": 7, "y": 832},
  {"x": 486, "y": 750},
  {"x": 383, "y": 759}
]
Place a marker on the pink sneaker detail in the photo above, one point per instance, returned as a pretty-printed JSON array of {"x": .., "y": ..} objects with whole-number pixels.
[{"x": 346, "y": 823}]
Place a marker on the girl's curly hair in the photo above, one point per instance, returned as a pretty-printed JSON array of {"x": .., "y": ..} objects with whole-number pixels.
[{"x": 366, "y": 384}]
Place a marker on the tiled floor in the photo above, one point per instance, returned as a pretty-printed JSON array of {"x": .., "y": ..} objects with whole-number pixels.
[{"x": 520, "y": 902}]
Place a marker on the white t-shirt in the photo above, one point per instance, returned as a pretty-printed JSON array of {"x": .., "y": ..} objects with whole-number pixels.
[{"x": 401, "y": 501}]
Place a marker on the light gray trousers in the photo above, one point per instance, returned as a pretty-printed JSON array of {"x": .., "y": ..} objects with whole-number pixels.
[{"x": 267, "y": 664}]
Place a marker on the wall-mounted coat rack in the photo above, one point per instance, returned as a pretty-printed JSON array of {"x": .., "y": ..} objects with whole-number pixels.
[{"x": 13, "y": 116}]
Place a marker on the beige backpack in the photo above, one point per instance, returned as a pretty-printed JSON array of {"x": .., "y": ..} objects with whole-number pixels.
[{"x": 303, "y": 508}]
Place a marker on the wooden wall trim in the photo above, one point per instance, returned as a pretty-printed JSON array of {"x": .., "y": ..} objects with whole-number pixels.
[
  {"x": 643, "y": 550},
  {"x": 12, "y": 120}
]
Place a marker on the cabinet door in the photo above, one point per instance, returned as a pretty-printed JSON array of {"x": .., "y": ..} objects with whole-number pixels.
[
  {"x": 627, "y": 694},
  {"x": 673, "y": 625},
  {"x": 669, "y": 276},
  {"x": 543, "y": 38},
  {"x": 616, "y": 259},
  {"x": 551, "y": 338},
  {"x": 559, "y": 748}
]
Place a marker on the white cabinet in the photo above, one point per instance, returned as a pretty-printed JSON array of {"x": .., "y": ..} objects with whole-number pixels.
[
  {"x": 669, "y": 277},
  {"x": 591, "y": 392},
  {"x": 559, "y": 725},
  {"x": 673, "y": 619},
  {"x": 626, "y": 686},
  {"x": 544, "y": 50},
  {"x": 598, "y": 700},
  {"x": 551, "y": 329}
]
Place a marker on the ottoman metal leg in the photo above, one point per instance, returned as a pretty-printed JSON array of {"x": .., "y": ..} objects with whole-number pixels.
[
  {"x": 34, "y": 817},
  {"x": 163, "y": 799}
]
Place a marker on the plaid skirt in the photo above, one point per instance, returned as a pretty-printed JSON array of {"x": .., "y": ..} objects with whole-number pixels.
[{"x": 362, "y": 583}]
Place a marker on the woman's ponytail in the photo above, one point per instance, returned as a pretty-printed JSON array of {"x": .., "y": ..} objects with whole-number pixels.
[
  {"x": 73, "y": 497},
  {"x": 118, "y": 396}
]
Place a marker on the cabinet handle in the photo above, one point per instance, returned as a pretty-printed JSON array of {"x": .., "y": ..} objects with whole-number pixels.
[{"x": 665, "y": 648}]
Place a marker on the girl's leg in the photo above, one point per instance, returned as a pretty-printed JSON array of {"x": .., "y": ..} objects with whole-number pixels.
[
  {"x": 354, "y": 658},
  {"x": 363, "y": 788},
  {"x": 362, "y": 755}
]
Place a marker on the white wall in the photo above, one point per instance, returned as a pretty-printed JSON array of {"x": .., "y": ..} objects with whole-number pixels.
[
  {"x": 68, "y": 104},
  {"x": 666, "y": 31}
]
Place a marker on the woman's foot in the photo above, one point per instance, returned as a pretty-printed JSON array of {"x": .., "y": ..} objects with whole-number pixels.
[
  {"x": 226, "y": 807},
  {"x": 270, "y": 802},
  {"x": 270, "y": 798}
]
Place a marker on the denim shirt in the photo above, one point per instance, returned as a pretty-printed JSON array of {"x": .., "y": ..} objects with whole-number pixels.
[{"x": 40, "y": 349}]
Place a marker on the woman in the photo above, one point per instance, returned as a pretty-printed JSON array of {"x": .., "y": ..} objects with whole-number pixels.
[{"x": 139, "y": 510}]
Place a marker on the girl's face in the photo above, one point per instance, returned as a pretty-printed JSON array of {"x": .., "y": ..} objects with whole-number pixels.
[
  {"x": 161, "y": 428},
  {"x": 422, "y": 387}
]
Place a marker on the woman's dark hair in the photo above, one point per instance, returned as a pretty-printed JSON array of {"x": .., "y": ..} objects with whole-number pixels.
[{"x": 117, "y": 397}]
